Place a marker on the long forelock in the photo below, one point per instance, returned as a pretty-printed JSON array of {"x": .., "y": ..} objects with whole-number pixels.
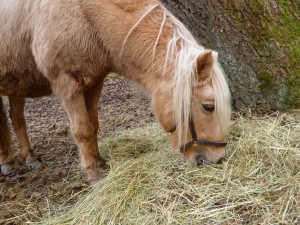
[{"x": 184, "y": 72}]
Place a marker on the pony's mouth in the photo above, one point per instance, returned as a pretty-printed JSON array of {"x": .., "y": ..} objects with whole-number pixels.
[{"x": 198, "y": 157}]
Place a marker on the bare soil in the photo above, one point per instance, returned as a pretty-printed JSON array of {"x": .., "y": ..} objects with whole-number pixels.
[{"x": 29, "y": 195}]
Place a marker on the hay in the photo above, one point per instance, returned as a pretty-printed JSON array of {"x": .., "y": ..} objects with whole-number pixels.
[{"x": 150, "y": 183}]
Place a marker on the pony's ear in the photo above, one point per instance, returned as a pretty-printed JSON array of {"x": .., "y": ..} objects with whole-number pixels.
[{"x": 204, "y": 65}]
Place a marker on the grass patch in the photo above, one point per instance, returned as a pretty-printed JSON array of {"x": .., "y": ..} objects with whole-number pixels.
[{"x": 150, "y": 183}]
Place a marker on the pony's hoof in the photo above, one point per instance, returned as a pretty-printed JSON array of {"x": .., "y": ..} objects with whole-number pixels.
[
  {"x": 93, "y": 183},
  {"x": 34, "y": 165},
  {"x": 94, "y": 176},
  {"x": 5, "y": 169}
]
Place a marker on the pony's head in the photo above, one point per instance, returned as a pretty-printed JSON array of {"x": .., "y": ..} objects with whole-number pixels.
[{"x": 197, "y": 111}]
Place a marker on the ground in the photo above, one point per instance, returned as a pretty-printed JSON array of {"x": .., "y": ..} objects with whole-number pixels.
[{"x": 29, "y": 195}]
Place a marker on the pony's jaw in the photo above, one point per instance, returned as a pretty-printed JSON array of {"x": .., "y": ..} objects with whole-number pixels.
[{"x": 207, "y": 154}]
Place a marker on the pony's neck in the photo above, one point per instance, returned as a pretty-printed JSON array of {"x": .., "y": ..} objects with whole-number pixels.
[
  {"x": 136, "y": 35},
  {"x": 151, "y": 81}
]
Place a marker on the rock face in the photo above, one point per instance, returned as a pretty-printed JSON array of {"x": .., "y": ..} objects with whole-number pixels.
[{"x": 258, "y": 43}]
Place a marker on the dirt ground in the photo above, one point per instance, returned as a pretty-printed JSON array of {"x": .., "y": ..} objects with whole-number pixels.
[{"x": 29, "y": 195}]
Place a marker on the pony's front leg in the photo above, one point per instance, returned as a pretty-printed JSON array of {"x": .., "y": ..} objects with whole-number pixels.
[
  {"x": 92, "y": 96},
  {"x": 19, "y": 124},
  {"x": 71, "y": 93}
]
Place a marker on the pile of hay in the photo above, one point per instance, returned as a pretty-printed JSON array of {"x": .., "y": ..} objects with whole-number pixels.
[{"x": 150, "y": 183}]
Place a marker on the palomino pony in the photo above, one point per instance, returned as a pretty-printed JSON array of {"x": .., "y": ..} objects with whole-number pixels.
[{"x": 68, "y": 47}]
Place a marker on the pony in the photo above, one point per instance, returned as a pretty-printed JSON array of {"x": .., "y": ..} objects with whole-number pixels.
[{"x": 68, "y": 47}]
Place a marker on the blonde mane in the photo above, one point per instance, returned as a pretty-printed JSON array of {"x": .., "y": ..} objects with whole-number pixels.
[{"x": 184, "y": 61}]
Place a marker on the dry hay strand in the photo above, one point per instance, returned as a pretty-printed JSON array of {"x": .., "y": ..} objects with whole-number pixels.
[{"x": 150, "y": 183}]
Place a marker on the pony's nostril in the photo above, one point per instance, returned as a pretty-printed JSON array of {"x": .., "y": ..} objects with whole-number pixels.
[
  {"x": 200, "y": 161},
  {"x": 221, "y": 160}
]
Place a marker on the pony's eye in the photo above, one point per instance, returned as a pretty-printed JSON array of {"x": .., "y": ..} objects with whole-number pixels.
[{"x": 208, "y": 108}]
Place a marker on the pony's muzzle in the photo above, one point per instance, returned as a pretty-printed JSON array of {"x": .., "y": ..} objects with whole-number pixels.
[
  {"x": 200, "y": 156},
  {"x": 201, "y": 160}
]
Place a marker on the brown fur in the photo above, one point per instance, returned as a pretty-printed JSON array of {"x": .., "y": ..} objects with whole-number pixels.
[{"x": 68, "y": 47}]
